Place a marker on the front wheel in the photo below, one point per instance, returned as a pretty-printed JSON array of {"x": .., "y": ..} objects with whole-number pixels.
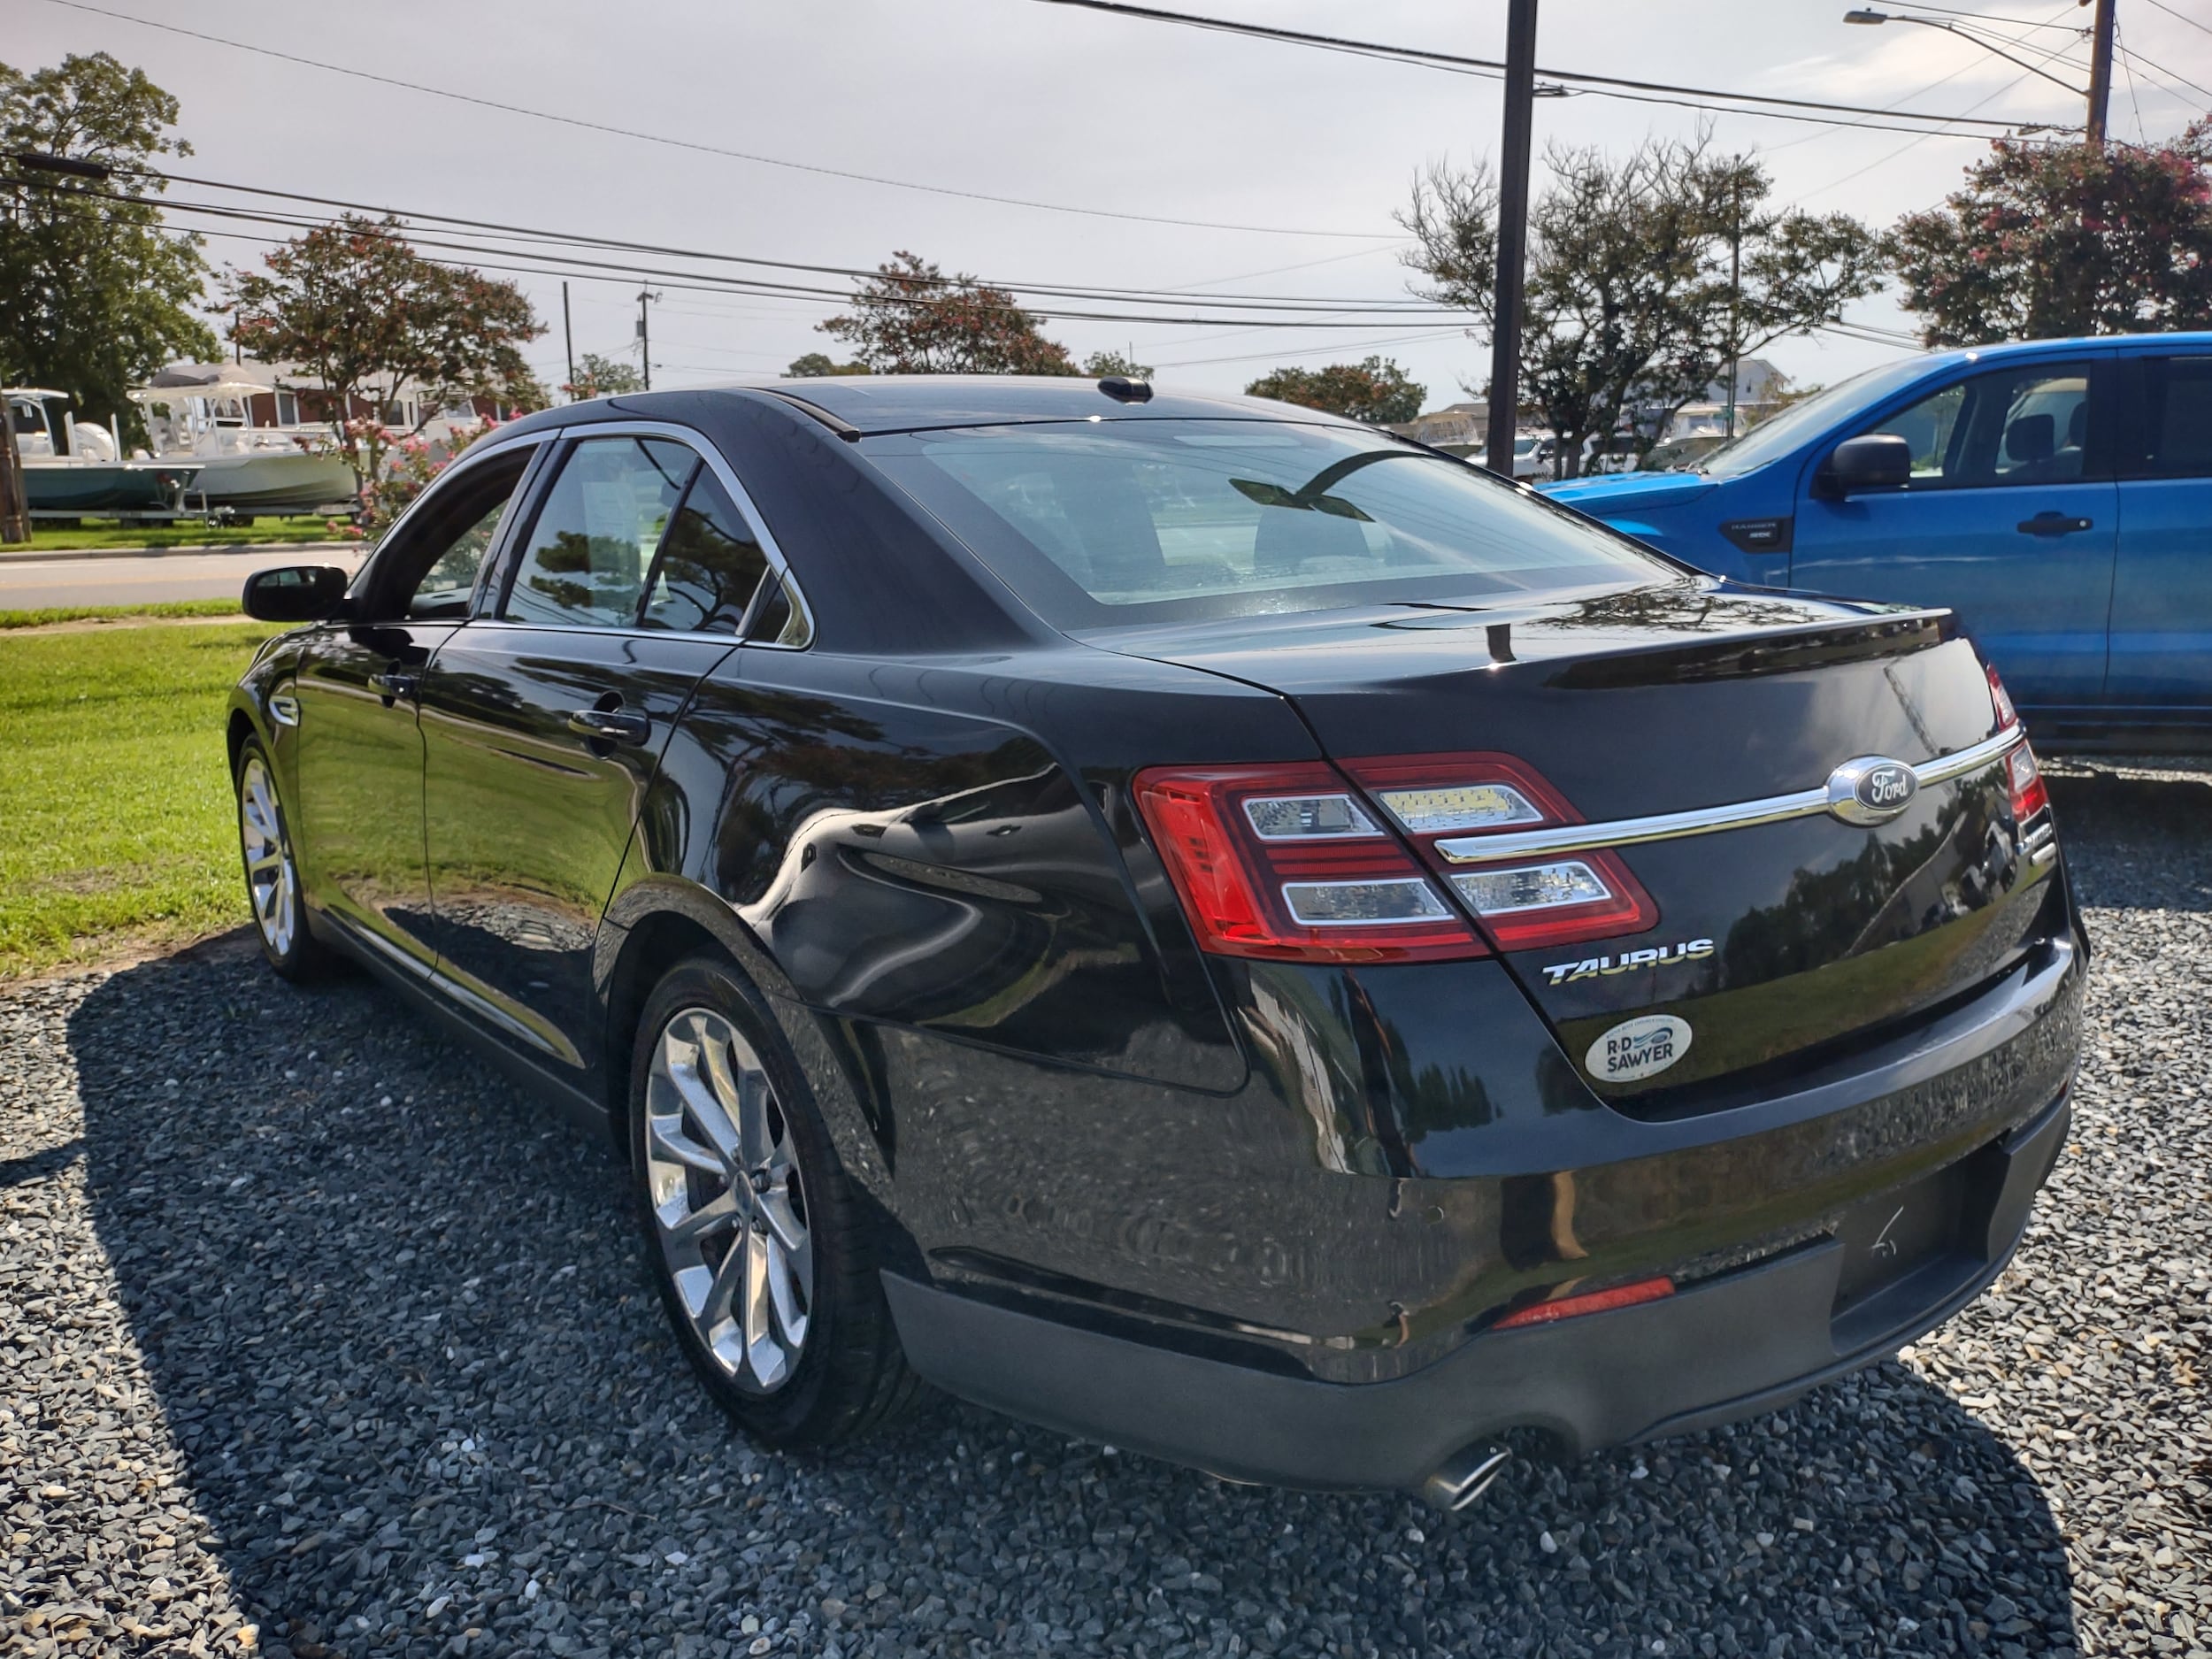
[
  {"x": 752, "y": 1231},
  {"x": 272, "y": 882}
]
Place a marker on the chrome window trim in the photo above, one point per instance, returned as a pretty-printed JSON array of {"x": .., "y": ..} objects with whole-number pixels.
[
  {"x": 712, "y": 457},
  {"x": 1572, "y": 837},
  {"x": 483, "y": 453}
]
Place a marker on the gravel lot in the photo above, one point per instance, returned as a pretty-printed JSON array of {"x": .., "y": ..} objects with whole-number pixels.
[{"x": 315, "y": 1338}]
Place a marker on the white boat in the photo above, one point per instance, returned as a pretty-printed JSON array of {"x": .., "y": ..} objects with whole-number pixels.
[
  {"x": 72, "y": 468},
  {"x": 204, "y": 414}
]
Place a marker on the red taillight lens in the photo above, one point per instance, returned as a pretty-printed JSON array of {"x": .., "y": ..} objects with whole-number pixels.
[
  {"x": 1594, "y": 1301},
  {"x": 2001, "y": 700},
  {"x": 1545, "y": 900},
  {"x": 1286, "y": 863},
  {"x": 2024, "y": 778}
]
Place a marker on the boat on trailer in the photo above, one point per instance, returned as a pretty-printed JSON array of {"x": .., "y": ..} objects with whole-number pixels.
[
  {"x": 73, "y": 469},
  {"x": 204, "y": 415}
]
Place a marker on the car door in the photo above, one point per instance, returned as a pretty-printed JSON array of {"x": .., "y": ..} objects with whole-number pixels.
[
  {"x": 359, "y": 787},
  {"x": 2162, "y": 589},
  {"x": 544, "y": 719},
  {"x": 2008, "y": 517}
]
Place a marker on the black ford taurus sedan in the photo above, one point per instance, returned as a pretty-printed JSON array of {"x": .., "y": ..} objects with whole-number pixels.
[{"x": 1191, "y": 921}]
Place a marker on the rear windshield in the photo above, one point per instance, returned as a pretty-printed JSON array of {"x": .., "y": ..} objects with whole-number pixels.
[{"x": 1098, "y": 523}]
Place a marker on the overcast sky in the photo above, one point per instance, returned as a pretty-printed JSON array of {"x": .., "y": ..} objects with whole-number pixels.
[{"x": 1013, "y": 98}]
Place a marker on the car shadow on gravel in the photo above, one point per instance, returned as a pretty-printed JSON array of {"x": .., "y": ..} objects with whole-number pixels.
[{"x": 402, "y": 1339}]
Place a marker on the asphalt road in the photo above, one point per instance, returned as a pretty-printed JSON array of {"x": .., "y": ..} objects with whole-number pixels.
[
  {"x": 34, "y": 582},
  {"x": 309, "y": 1324}
]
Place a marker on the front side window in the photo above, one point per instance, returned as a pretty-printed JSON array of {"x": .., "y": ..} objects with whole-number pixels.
[
  {"x": 1107, "y": 522},
  {"x": 596, "y": 536},
  {"x": 2027, "y": 425},
  {"x": 429, "y": 572},
  {"x": 2177, "y": 418}
]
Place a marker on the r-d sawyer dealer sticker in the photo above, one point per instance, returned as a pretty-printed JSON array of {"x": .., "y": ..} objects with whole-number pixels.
[{"x": 1637, "y": 1047}]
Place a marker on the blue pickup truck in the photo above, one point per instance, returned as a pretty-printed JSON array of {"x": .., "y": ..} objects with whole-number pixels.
[{"x": 2057, "y": 493}]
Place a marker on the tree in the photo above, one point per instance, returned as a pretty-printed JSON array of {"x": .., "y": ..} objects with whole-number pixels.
[
  {"x": 357, "y": 306},
  {"x": 1099, "y": 365},
  {"x": 816, "y": 366},
  {"x": 1376, "y": 391},
  {"x": 598, "y": 376},
  {"x": 911, "y": 319},
  {"x": 2057, "y": 239},
  {"x": 97, "y": 296},
  {"x": 1647, "y": 279}
]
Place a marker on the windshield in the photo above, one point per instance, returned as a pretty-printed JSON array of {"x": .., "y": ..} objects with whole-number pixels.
[
  {"x": 1785, "y": 431},
  {"x": 1097, "y": 523}
]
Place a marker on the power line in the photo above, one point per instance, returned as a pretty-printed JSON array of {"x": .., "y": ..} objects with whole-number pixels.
[
  {"x": 2158, "y": 72},
  {"x": 552, "y": 263},
  {"x": 1598, "y": 84},
  {"x": 1883, "y": 161},
  {"x": 582, "y": 239},
  {"x": 1986, "y": 17},
  {"x": 2184, "y": 17},
  {"x": 692, "y": 144}
]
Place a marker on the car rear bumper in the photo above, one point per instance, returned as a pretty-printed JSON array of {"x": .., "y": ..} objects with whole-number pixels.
[{"x": 1738, "y": 1343}]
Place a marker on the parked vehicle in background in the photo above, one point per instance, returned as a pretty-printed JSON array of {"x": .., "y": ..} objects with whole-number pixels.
[
  {"x": 1201, "y": 925},
  {"x": 2057, "y": 494}
]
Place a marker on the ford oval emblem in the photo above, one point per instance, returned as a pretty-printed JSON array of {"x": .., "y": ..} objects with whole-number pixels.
[{"x": 1871, "y": 789}]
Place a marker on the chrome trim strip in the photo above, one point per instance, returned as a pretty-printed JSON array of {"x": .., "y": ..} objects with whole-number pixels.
[{"x": 1573, "y": 838}]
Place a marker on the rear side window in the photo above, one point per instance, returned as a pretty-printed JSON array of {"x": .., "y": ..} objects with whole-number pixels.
[
  {"x": 598, "y": 534},
  {"x": 2177, "y": 418},
  {"x": 710, "y": 564},
  {"x": 2028, "y": 425},
  {"x": 1106, "y": 522}
]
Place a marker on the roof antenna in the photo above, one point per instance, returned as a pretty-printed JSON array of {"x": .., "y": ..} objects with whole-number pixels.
[{"x": 1122, "y": 389}]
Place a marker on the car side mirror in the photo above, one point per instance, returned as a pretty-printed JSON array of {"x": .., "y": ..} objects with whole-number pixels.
[
  {"x": 1880, "y": 460},
  {"x": 296, "y": 593}
]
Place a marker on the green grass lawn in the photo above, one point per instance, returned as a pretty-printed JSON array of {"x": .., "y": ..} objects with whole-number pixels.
[
  {"x": 115, "y": 824},
  {"x": 123, "y": 614},
  {"x": 46, "y": 538}
]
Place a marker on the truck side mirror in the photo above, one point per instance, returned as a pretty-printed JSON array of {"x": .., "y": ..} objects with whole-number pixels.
[
  {"x": 1880, "y": 460},
  {"x": 296, "y": 593}
]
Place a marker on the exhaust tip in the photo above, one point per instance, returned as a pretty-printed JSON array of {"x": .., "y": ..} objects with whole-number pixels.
[{"x": 1466, "y": 1477}]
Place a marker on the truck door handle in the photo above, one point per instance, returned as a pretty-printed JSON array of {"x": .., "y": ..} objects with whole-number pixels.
[
  {"x": 611, "y": 725},
  {"x": 392, "y": 685},
  {"x": 2052, "y": 524}
]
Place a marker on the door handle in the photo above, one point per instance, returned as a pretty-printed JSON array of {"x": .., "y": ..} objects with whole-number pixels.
[
  {"x": 611, "y": 725},
  {"x": 2052, "y": 523},
  {"x": 392, "y": 685}
]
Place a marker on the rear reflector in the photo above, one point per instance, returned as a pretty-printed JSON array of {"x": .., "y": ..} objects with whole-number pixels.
[
  {"x": 1282, "y": 862},
  {"x": 1596, "y": 1301},
  {"x": 1543, "y": 904}
]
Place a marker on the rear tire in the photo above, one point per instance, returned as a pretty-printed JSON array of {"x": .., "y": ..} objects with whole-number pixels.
[
  {"x": 752, "y": 1231},
  {"x": 271, "y": 869}
]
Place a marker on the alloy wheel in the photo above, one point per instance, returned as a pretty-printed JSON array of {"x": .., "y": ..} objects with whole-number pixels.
[
  {"x": 269, "y": 878},
  {"x": 728, "y": 1199}
]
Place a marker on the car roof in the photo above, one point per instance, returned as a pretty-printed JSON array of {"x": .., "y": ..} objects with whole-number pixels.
[{"x": 908, "y": 402}]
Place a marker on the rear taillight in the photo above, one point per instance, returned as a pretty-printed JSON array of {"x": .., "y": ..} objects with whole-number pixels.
[
  {"x": 2001, "y": 700},
  {"x": 1523, "y": 905},
  {"x": 1286, "y": 863},
  {"x": 2024, "y": 779}
]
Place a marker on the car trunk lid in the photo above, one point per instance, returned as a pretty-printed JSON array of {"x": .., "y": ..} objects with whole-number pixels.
[{"x": 1744, "y": 936}]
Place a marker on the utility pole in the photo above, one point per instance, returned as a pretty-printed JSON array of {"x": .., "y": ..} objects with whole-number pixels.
[
  {"x": 645, "y": 299},
  {"x": 2100, "y": 70},
  {"x": 15, "y": 511},
  {"x": 568, "y": 339},
  {"x": 1505, "y": 330}
]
